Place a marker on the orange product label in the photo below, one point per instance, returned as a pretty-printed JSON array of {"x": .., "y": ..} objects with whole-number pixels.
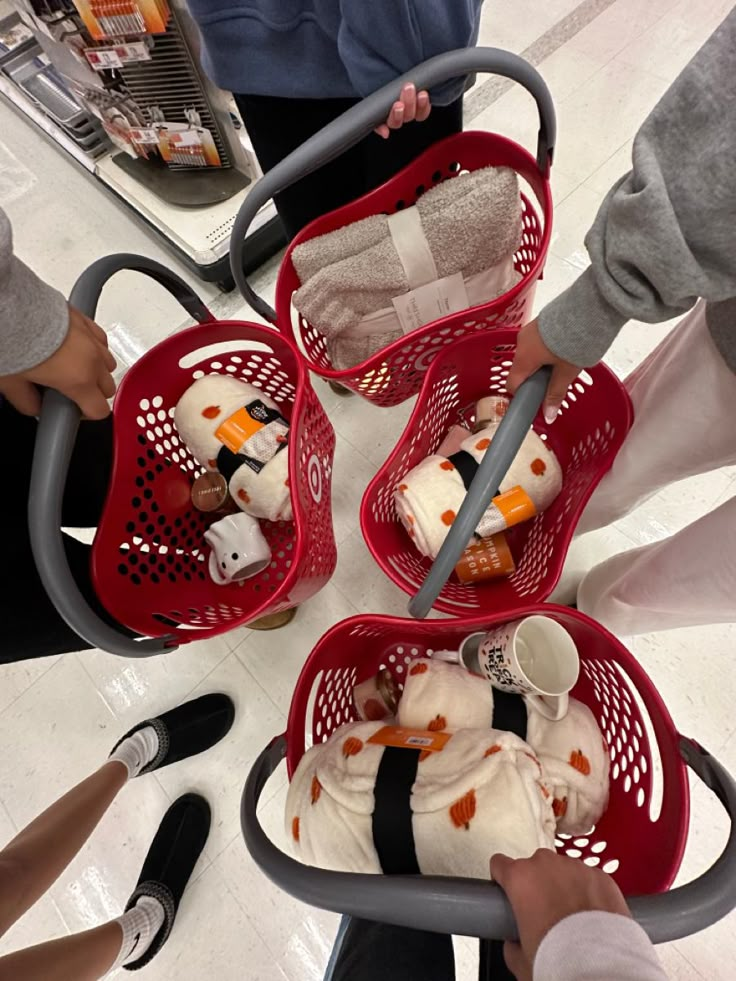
[
  {"x": 237, "y": 429},
  {"x": 515, "y": 506},
  {"x": 431, "y": 742},
  {"x": 486, "y": 559}
]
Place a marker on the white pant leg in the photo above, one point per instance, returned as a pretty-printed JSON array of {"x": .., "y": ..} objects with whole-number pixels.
[
  {"x": 684, "y": 399},
  {"x": 686, "y": 580}
]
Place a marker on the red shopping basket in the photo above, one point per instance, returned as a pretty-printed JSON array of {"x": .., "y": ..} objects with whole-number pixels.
[
  {"x": 149, "y": 557},
  {"x": 593, "y": 421},
  {"x": 639, "y": 840},
  {"x": 641, "y": 837},
  {"x": 395, "y": 373}
]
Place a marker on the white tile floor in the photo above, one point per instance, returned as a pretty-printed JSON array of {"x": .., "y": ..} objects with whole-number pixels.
[{"x": 59, "y": 717}]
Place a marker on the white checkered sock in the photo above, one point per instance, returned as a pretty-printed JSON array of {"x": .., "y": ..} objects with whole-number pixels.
[
  {"x": 140, "y": 925},
  {"x": 137, "y": 750}
]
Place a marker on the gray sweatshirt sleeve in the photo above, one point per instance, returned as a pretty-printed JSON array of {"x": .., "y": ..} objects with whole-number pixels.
[
  {"x": 666, "y": 232},
  {"x": 597, "y": 947},
  {"x": 34, "y": 317}
]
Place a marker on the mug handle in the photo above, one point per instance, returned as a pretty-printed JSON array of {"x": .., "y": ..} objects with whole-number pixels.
[{"x": 552, "y": 707}]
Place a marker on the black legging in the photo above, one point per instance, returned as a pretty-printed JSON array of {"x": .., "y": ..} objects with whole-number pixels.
[
  {"x": 277, "y": 126},
  {"x": 29, "y": 624},
  {"x": 366, "y": 950}
]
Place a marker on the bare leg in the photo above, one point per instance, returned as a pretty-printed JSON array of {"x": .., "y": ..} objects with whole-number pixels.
[
  {"x": 35, "y": 858},
  {"x": 81, "y": 957}
]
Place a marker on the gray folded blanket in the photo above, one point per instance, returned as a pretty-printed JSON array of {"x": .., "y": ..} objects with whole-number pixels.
[{"x": 471, "y": 223}]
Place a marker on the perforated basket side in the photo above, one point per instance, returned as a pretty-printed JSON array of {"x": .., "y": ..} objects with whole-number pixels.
[
  {"x": 592, "y": 424},
  {"x": 149, "y": 558},
  {"x": 396, "y": 373},
  {"x": 641, "y": 837}
]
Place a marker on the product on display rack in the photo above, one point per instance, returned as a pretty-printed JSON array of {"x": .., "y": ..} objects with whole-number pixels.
[{"x": 120, "y": 18}]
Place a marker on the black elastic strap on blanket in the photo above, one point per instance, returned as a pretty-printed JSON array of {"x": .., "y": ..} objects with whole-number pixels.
[
  {"x": 465, "y": 465},
  {"x": 509, "y": 713},
  {"x": 393, "y": 833}
]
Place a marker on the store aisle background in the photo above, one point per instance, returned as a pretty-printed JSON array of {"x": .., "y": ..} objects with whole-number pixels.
[{"x": 607, "y": 62}]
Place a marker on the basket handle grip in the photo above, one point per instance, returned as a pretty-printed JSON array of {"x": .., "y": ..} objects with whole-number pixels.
[
  {"x": 57, "y": 432},
  {"x": 473, "y": 907},
  {"x": 347, "y": 130},
  {"x": 492, "y": 469}
]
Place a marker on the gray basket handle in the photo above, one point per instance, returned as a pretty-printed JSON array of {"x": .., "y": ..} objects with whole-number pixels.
[
  {"x": 471, "y": 907},
  {"x": 492, "y": 469},
  {"x": 344, "y": 132},
  {"x": 57, "y": 431}
]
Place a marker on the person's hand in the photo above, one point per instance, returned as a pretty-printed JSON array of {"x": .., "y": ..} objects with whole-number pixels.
[
  {"x": 533, "y": 353},
  {"x": 81, "y": 369},
  {"x": 543, "y": 890},
  {"x": 410, "y": 106}
]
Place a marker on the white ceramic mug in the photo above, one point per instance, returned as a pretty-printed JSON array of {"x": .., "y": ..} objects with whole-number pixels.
[
  {"x": 239, "y": 549},
  {"x": 535, "y": 657}
]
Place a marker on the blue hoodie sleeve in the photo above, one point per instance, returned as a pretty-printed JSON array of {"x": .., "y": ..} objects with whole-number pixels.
[{"x": 379, "y": 40}]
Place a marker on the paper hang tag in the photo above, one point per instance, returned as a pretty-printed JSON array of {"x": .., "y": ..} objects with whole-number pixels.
[
  {"x": 431, "y": 302},
  {"x": 398, "y": 736}
]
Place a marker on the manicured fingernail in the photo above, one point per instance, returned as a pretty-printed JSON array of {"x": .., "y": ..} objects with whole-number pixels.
[
  {"x": 409, "y": 87},
  {"x": 550, "y": 413},
  {"x": 399, "y": 107}
]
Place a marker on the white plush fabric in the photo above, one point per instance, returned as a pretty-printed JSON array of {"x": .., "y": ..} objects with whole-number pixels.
[
  {"x": 428, "y": 498},
  {"x": 265, "y": 494},
  {"x": 576, "y": 764},
  {"x": 480, "y": 795},
  {"x": 438, "y": 695}
]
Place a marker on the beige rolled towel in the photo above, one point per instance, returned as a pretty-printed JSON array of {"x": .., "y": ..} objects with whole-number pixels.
[{"x": 471, "y": 224}]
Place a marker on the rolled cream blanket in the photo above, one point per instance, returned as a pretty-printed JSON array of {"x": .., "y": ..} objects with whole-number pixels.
[
  {"x": 468, "y": 225},
  {"x": 233, "y": 427},
  {"x": 576, "y": 764},
  {"x": 429, "y": 497},
  {"x": 443, "y": 696},
  {"x": 482, "y": 794}
]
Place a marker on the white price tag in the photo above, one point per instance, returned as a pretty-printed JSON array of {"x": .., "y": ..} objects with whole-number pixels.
[
  {"x": 144, "y": 136},
  {"x": 103, "y": 59},
  {"x": 431, "y": 302}
]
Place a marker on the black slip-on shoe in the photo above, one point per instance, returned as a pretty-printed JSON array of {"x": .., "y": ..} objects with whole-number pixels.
[
  {"x": 170, "y": 861},
  {"x": 188, "y": 729}
]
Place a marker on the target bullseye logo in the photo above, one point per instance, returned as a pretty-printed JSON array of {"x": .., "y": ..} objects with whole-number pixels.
[
  {"x": 424, "y": 360},
  {"x": 314, "y": 477}
]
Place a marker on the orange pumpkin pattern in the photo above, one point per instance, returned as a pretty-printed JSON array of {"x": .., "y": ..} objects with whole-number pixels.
[
  {"x": 295, "y": 829},
  {"x": 448, "y": 517},
  {"x": 483, "y": 444},
  {"x": 403, "y": 488},
  {"x": 447, "y": 465},
  {"x": 286, "y": 483},
  {"x": 316, "y": 790},
  {"x": 580, "y": 762},
  {"x": 438, "y": 724},
  {"x": 212, "y": 464},
  {"x": 244, "y": 497},
  {"x": 419, "y": 669},
  {"x": 491, "y": 750},
  {"x": 211, "y": 411},
  {"x": 559, "y": 807},
  {"x": 352, "y": 746},
  {"x": 538, "y": 467},
  {"x": 462, "y": 811}
]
